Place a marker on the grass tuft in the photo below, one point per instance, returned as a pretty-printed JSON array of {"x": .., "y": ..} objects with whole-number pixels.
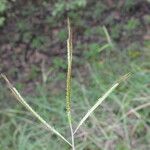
[{"x": 17, "y": 95}]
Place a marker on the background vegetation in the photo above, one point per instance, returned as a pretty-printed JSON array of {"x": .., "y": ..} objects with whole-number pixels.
[{"x": 110, "y": 38}]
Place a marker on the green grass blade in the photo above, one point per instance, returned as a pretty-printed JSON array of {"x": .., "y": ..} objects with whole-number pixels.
[
  {"x": 101, "y": 99},
  {"x": 17, "y": 95},
  {"x": 108, "y": 36}
]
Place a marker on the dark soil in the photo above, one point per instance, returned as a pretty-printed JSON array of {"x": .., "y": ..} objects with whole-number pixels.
[{"x": 18, "y": 57}]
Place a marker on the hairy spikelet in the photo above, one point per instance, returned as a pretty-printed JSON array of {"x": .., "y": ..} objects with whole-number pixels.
[{"x": 69, "y": 54}]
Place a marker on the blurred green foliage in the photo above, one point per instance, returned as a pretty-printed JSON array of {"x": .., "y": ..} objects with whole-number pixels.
[
  {"x": 37, "y": 42},
  {"x": 147, "y": 19},
  {"x": 132, "y": 24},
  {"x": 93, "y": 51},
  {"x": 3, "y": 7},
  {"x": 59, "y": 63},
  {"x": 129, "y": 4},
  {"x": 62, "y": 35},
  {"x": 63, "y": 6}
]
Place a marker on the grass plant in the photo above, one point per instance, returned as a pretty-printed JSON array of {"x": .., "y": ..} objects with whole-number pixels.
[{"x": 89, "y": 114}]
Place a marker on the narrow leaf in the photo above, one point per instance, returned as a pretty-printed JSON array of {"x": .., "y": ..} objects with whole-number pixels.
[
  {"x": 101, "y": 99},
  {"x": 17, "y": 95}
]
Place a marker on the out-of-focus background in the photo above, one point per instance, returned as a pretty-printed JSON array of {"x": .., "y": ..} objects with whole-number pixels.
[{"x": 110, "y": 38}]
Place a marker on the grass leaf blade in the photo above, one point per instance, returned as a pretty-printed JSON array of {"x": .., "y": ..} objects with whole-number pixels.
[
  {"x": 17, "y": 95},
  {"x": 99, "y": 101}
]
